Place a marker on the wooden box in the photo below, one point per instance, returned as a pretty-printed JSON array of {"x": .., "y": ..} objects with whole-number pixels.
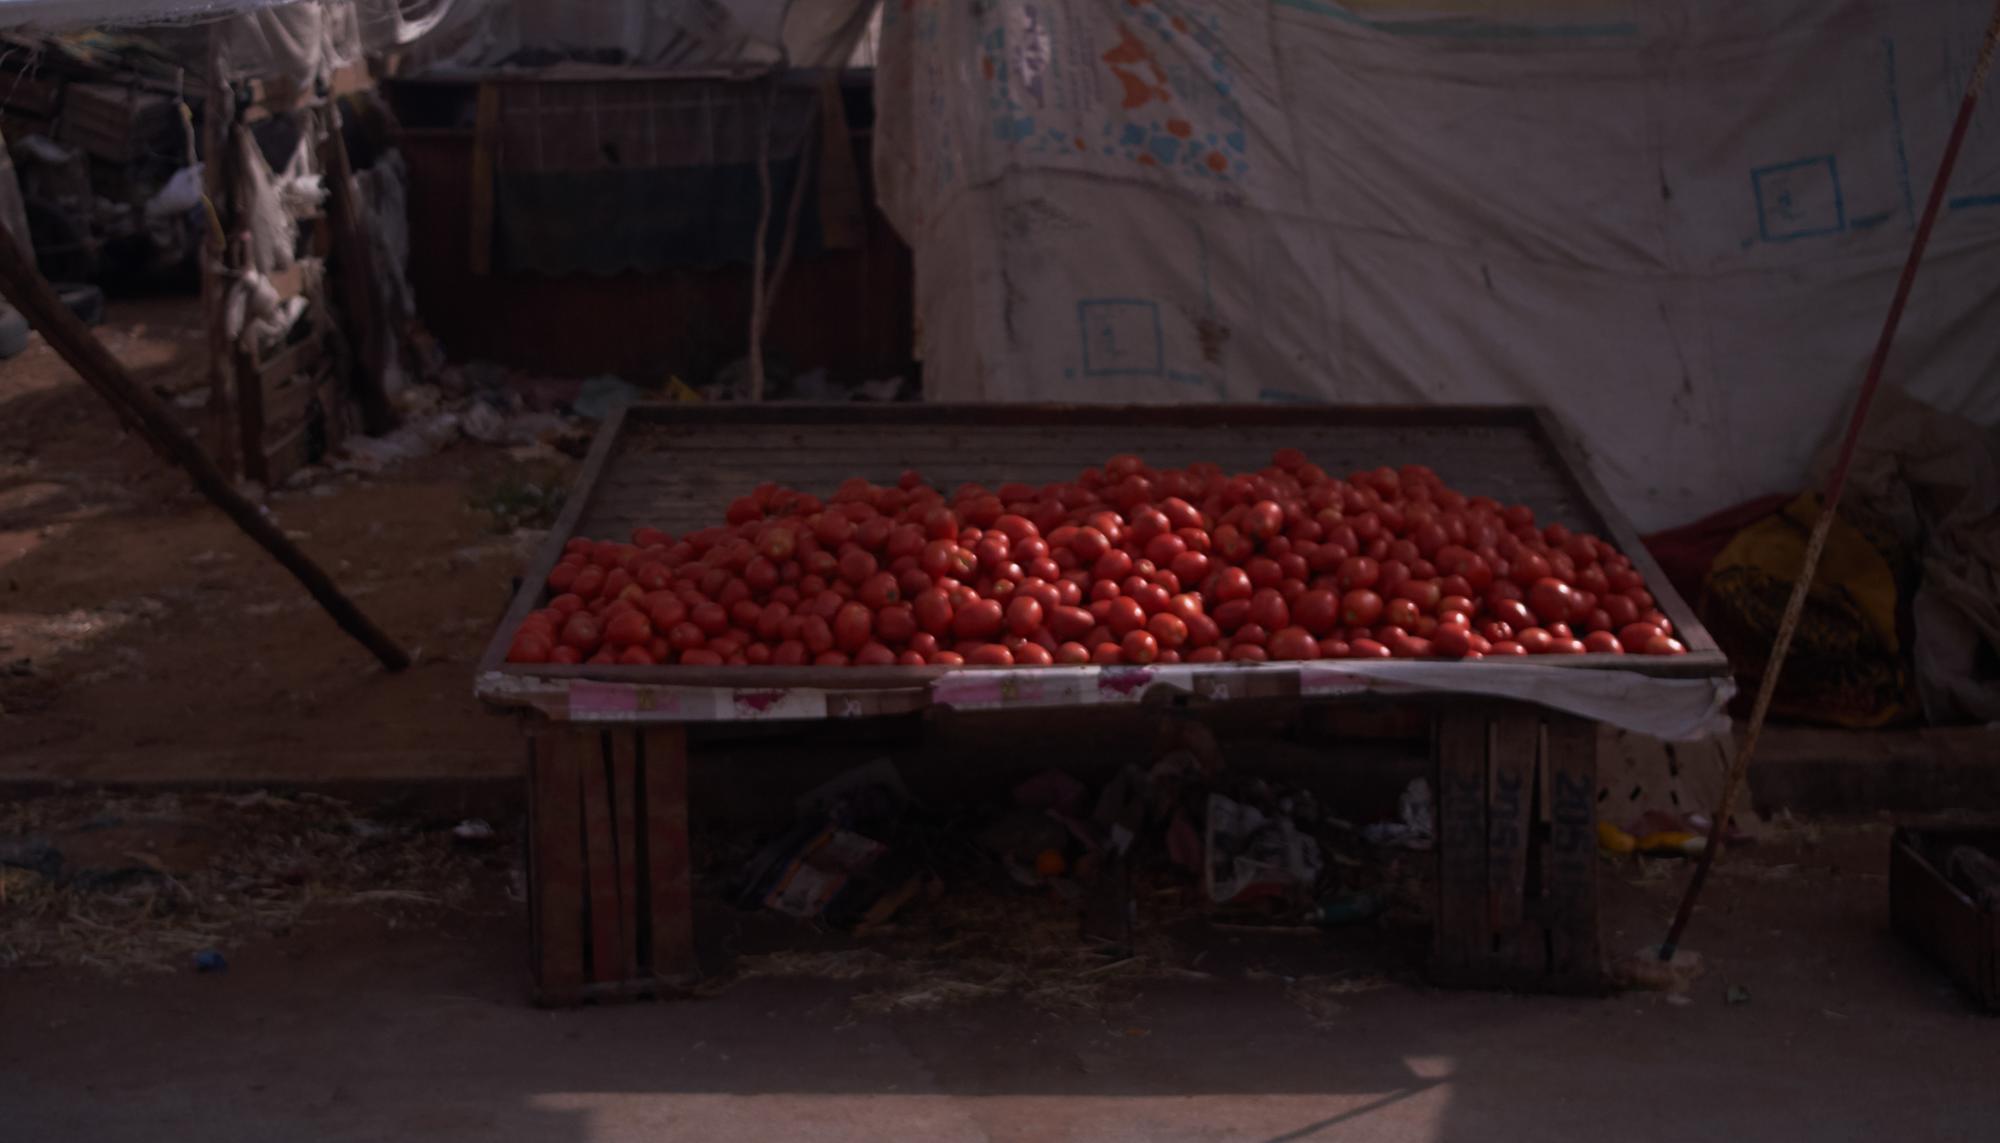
[
  {"x": 1939, "y": 916},
  {"x": 1516, "y": 783}
]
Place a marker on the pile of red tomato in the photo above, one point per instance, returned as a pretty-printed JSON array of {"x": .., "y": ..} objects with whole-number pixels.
[{"x": 1125, "y": 564}]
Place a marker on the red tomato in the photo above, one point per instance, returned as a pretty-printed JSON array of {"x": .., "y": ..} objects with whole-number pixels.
[
  {"x": 853, "y": 625},
  {"x": 947, "y": 659},
  {"x": 1202, "y": 630},
  {"x": 1268, "y": 610},
  {"x": 874, "y": 655},
  {"x": 1293, "y": 643},
  {"x": 1263, "y": 571},
  {"x": 1070, "y": 622},
  {"x": 1206, "y": 655},
  {"x": 1171, "y": 631},
  {"x": 879, "y": 591},
  {"x": 1506, "y": 647},
  {"x": 1401, "y": 613},
  {"x": 1514, "y": 613},
  {"x": 817, "y": 634},
  {"x": 1316, "y": 611},
  {"x": 1033, "y": 655},
  {"x": 979, "y": 619},
  {"x": 1535, "y": 640},
  {"x": 1024, "y": 614},
  {"x": 1663, "y": 645},
  {"x": 1602, "y": 643},
  {"x": 581, "y": 632},
  {"x": 1360, "y": 608},
  {"x": 1452, "y": 641},
  {"x": 1139, "y": 647},
  {"x": 1621, "y": 610},
  {"x": 1124, "y": 615},
  {"x": 530, "y": 647},
  {"x": 1263, "y": 520},
  {"x": 1529, "y": 568},
  {"x": 1425, "y": 593},
  {"x": 934, "y": 611},
  {"x": 1232, "y": 584},
  {"x": 1358, "y": 572},
  {"x": 628, "y": 629},
  {"x": 1634, "y": 636},
  {"x": 1551, "y": 599},
  {"x": 1072, "y": 653},
  {"x": 895, "y": 624},
  {"x": 1248, "y": 653},
  {"x": 710, "y": 617}
]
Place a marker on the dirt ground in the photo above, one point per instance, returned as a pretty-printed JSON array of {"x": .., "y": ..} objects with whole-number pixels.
[
  {"x": 359, "y": 1030},
  {"x": 143, "y": 637},
  {"x": 143, "y": 640}
]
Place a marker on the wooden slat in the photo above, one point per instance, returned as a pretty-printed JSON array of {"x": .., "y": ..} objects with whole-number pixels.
[
  {"x": 1687, "y": 626},
  {"x": 600, "y": 855},
  {"x": 485, "y": 140},
  {"x": 1460, "y": 935},
  {"x": 626, "y": 821},
  {"x": 534, "y": 582},
  {"x": 556, "y": 867},
  {"x": 668, "y": 887},
  {"x": 1571, "y": 758},
  {"x": 1510, "y": 787}
]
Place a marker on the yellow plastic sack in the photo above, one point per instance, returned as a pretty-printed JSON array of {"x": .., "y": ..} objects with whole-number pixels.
[{"x": 1846, "y": 665}]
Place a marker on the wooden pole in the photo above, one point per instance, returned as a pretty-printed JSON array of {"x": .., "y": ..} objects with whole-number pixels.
[
  {"x": 218, "y": 108},
  {"x": 36, "y": 299},
  {"x": 1836, "y": 483},
  {"x": 356, "y": 279}
]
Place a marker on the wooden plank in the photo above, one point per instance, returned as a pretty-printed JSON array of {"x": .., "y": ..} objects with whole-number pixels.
[
  {"x": 1460, "y": 935},
  {"x": 555, "y": 866},
  {"x": 1619, "y": 531},
  {"x": 1515, "y": 750},
  {"x": 534, "y": 581},
  {"x": 1571, "y": 759},
  {"x": 485, "y": 140},
  {"x": 600, "y": 855},
  {"x": 626, "y": 820},
  {"x": 669, "y": 889}
]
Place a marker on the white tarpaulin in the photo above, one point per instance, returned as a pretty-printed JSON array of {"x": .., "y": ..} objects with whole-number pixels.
[{"x": 1678, "y": 223}]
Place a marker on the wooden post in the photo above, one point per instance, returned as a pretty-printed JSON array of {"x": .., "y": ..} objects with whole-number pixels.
[
  {"x": 36, "y": 299},
  {"x": 357, "y": 280},
  {"x": 218, "y": 109}
]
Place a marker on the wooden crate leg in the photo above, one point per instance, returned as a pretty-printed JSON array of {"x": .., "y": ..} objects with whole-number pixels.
[
  {"x": 1516, "y": 744},
  {"x": 1460, "y": 935},
  {"x": 555, "y": 866},
  {"x": 626, "y": 818},
  {"x": 1572, "y": 855},
  {"x": 600, "y": 849},
  {"x": 668, "y": 890}
]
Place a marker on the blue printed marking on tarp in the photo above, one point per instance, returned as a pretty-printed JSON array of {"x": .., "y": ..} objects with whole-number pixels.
[
  {"x": 1165, "y": 148},
  {"x": 1870, "y": 221},
  {"x": 1896, "y": 128},
  {"x": 1798, "y": 199},
  {"x": 1966, "y": 200},
  {"x": 1132, "y": 135},
  {"x": 1121, "y": 337},
  {"x": 1285, "y": 397}
]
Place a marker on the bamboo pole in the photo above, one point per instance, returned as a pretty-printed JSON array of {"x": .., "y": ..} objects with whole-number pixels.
[
  {"x": 1836, "y": 484},
  {"x": 36, "y": 299}
]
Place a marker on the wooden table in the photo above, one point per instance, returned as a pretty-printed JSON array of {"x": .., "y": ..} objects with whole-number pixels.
[{"x": 609, "y": 882}]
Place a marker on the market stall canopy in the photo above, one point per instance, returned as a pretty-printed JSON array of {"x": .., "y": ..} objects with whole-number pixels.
[{"x": 493, "y": 33}]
